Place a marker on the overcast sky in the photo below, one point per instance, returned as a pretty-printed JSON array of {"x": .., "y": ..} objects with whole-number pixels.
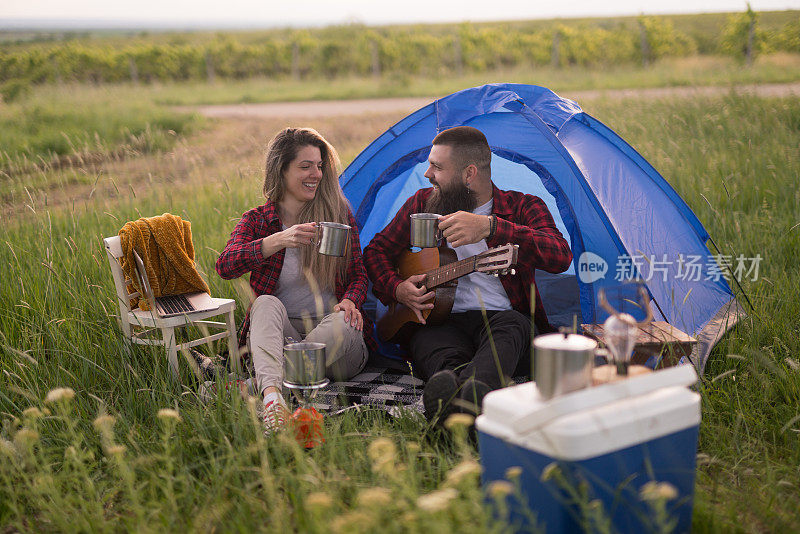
[{"x": 324, "y": 12}]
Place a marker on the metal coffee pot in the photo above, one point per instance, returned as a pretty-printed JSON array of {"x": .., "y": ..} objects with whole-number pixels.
[{"x": 563, "y": 363}]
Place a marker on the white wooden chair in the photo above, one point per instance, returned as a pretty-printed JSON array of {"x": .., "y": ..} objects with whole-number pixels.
[{"x": 142, "y": 327}]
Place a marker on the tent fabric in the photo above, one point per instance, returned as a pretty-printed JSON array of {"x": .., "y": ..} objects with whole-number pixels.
[{"x": 622, "y": 217}]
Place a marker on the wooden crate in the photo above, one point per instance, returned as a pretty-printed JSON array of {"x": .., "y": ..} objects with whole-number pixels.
[{"x": 654, "y": 339}]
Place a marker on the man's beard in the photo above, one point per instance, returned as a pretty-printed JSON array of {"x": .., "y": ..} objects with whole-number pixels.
[{"x": 456, "y": 198}]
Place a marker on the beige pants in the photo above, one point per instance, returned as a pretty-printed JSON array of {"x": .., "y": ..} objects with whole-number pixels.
[{"x": 345, "y": 351}]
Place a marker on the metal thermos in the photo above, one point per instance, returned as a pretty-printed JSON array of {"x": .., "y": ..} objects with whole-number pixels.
[
  {"x": 304, "y": 365},
  {"x": 562, "y": 363},
  {"x": 332, "y": 238},
  {"x": 425, "y": 230}
]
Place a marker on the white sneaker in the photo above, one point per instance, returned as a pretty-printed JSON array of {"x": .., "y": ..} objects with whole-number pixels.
[{"x": 275, "y": 413}]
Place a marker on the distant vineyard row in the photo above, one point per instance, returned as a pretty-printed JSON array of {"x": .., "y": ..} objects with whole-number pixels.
[{"x": 374, "y": 51}]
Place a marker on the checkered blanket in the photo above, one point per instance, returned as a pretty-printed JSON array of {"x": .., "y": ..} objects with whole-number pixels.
[{"x": 374, "y": 387}]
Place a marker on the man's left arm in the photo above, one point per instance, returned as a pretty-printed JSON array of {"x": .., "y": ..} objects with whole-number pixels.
[{"x": 541, "y": 245}]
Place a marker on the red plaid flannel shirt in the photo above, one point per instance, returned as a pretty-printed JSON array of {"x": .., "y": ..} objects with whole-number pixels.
[
  {"x": 242, "y": 254},
  {"x": 521, "y": 219}
]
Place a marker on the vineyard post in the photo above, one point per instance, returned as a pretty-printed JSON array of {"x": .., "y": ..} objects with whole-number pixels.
[
  {"x": 295, "y": 60},
  {"x": 376, "y": 60},
  {"x": 645, "y": 43},
  {"x": 554, "y": 59},
  {"x": 751, "y": 31},
  {"x": 210, "y": 74},
  {"x": 457, "y": 57},
  {"x": 133, "y": 69},
  {"x": 57, "y": 70}
]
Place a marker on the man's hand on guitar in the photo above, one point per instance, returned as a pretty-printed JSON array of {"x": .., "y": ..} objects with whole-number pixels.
[
  {"x": 464, "y": 228},
  {"x": 412, "y": 293}
]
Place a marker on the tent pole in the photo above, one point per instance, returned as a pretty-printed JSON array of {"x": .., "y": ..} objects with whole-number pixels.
[
  {"x": 732, "y": 276},
  {"x": 659, "y": 307}
]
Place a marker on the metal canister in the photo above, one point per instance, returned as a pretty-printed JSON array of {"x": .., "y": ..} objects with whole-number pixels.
[
  {"x": 425, "y": 230},
  {"x": 304, "y": 364},
  {"x": 562, "y": 363},
  {"x": 333, "y": 238}
]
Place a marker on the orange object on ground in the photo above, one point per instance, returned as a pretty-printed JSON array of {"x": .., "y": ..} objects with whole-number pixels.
[{"x": 307, "y": 426}]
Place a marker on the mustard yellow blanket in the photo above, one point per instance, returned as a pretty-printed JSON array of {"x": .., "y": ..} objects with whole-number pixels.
[{"x": 165, "y": 245}]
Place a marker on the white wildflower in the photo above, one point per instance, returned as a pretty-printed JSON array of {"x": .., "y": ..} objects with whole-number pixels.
[
  {"x": 60, "y": 394},
  {"x": 459, "y": 420},
  {"x": 319, "y": 500},
  {"x": 374, "y": 497},
  {"x": 116, "y": 450},
  {"x": 465, "y": 469},
  {"x": 654, "y": 491},
  {"x": 104, "y": 422},
  {"x": 168, "y": 414},
  {"x": 436, "y": 500},
  {"x": 513, "y": 472},
  {"x": 32, "y": 413},
  {"x": 7, "y": 448},
  {"x": 499, "y": 488}
]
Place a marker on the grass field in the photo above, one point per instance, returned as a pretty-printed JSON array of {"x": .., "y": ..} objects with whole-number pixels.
[
  {"x": 52, "y": 139},
  {"x": 735, "y": 160}
]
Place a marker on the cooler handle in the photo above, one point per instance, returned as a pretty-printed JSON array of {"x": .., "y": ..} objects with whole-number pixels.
[{"x": 682, "y": 375}]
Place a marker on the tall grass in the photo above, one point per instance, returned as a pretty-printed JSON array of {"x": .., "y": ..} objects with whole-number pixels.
[
  {"x": 734, "y": 159},
  {"x": 85, "y": 120}
]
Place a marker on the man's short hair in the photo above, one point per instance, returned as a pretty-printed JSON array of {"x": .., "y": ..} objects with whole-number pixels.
[{"x": 469, "y": 147}]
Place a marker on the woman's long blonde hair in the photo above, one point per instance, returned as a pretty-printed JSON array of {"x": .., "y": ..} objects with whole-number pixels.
[{"x": 329, "y": 203}]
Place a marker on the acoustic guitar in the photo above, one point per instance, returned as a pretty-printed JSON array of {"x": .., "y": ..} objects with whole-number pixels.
[{"x": 443, "y": 270}]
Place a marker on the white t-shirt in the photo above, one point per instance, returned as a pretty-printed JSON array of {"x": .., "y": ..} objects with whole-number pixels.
[{"x": 491, "y": 289}]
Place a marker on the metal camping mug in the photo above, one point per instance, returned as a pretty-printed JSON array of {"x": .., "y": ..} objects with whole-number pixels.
[
  {"x": 332, "y": 238},
  {"x": 304, "y": 364},
  {"x": 562, "y": 363},
  {"x": 425, "y": 230}
]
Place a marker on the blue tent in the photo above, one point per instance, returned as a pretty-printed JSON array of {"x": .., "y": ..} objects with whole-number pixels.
[{"x": 623, "y": 220}]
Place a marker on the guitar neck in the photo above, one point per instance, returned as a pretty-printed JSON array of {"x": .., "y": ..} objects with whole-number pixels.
[{"x": 451, "y": 271}]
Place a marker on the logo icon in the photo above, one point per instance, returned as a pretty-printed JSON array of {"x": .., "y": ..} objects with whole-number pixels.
[{"x": 591, "y": 268}]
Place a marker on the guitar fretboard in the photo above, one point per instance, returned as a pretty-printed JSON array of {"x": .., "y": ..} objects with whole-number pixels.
[{"x": 451, "y": 271}]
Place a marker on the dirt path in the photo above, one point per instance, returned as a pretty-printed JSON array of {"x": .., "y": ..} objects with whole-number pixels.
[{"x": 338, "y": 108}]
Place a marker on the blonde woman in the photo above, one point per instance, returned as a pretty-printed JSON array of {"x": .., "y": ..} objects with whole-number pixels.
[{"x": 300, "y": 294}]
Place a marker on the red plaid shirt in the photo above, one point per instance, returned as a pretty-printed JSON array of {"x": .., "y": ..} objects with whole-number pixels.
[
  {"x": 242, "y": 254},
  {"x": 521, "y": 219}
]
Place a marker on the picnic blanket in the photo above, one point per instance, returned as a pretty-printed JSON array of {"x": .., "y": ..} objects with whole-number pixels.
[{"x": 375, "y": 387}]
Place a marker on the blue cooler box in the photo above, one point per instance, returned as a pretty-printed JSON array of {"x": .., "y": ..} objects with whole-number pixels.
[{"x": 599, "y": 446}]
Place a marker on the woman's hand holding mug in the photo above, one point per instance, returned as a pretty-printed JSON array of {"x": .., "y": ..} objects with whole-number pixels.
[{"x": 299, "y": 235}]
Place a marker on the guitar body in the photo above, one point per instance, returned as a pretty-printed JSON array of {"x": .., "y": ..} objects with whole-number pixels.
[{"x": 395, "y": 323}]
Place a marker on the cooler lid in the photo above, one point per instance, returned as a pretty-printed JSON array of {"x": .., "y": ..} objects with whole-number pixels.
[{"x": 596, "y": 420}]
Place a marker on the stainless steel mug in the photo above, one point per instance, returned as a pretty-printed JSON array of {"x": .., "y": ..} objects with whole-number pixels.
[
  {"x": 332, "y": 238},
  {"x": 425, "y": 230},
  {"x": 562, "y": 363},
  {"x": 304, "y": 364}
]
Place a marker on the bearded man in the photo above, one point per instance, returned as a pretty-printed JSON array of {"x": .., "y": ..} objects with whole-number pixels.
[{"x": 468, "y": 355}]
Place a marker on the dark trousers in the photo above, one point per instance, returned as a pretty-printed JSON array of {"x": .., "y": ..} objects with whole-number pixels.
[{"x": 463, "y": 344}]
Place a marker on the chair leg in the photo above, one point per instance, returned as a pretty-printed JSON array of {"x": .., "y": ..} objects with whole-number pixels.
[
  {"x": 172, "y": 351},
  {"x": 233, "y": 344}
]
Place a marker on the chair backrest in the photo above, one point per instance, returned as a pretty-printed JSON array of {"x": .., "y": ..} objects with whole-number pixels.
[{"x": 114, "y": 252}]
